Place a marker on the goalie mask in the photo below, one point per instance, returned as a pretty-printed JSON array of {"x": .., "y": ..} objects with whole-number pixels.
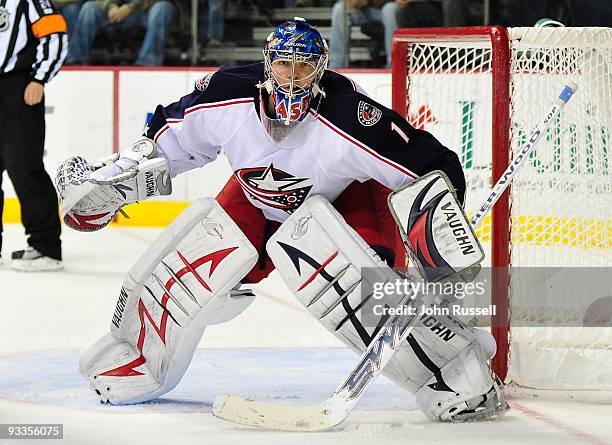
[{"x": 295, "y": 58}]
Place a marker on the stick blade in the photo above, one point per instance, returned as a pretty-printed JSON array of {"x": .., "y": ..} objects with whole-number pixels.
[{"x": 271, "y": 415}]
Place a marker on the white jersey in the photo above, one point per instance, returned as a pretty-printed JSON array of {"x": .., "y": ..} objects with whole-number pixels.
[{"x": 348, "y": 137}]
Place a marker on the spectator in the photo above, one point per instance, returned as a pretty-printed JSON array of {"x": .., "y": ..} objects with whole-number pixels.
[
  {"x": 70, "y": 10},
  {"x": 212, "y": 21},
  {"x": 361, "y": 12},
  {"x": 157, "y": 16},
  {"x": 419, "y": 14}
]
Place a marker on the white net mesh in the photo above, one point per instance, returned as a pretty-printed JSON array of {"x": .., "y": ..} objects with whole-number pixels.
[
  {"x": 560, "y": 202},
  {"x": 561, "y": 205}
]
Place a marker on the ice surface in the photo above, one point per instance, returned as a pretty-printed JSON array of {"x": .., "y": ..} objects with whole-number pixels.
[{"x": 274, "y": 351}]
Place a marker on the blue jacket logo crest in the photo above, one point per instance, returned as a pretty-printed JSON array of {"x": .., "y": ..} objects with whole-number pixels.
[{"x": 368, "y": 114}]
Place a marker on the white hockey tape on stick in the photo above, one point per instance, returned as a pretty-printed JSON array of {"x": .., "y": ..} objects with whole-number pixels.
[
  {"x": 523, "y": 153},
  {"x": 338, "y": 406}
]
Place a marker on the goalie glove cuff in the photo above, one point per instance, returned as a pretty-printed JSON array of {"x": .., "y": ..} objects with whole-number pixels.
[
  {"x": 119, "y": 168},
  {"x": 142, "y": 148}
]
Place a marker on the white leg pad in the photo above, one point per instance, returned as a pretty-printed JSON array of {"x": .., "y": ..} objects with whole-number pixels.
[
  {"x": 321, "y": 258},
  {"x": 184, "y": 282}
]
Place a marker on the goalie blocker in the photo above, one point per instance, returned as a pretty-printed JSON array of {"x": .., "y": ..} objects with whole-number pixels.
[{"x": 438, "y": 237}]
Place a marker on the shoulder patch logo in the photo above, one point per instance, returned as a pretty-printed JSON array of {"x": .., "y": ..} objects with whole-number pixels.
[
  {"x": 368, "y": 114},
  {"x": 4, "y": 19},
  {"x": 202, "y": 84}
]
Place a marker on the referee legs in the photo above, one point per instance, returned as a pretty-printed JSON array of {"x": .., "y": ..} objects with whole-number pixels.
[{"x": 21, "y": 154}]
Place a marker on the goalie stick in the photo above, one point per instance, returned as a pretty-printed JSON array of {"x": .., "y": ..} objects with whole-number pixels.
[{"x": 337, "y": 407}]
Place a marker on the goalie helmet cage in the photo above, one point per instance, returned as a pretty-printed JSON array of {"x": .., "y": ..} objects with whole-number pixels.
[{"x": 481, "y": 91}]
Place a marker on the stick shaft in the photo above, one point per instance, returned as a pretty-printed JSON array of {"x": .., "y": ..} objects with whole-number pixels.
[{"x": 518, "y": 161}]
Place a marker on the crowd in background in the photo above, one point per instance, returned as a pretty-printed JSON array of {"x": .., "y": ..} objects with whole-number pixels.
[{"x": 152, "y": 22}]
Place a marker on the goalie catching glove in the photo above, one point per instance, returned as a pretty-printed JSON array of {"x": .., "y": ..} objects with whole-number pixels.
[{"x": 91, "y": 194}]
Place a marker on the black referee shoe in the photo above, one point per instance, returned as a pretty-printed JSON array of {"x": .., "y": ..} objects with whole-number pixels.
[{"x": 31, "y": 260}]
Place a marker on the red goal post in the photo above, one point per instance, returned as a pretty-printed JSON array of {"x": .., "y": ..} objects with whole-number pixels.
[{"x": 497, "y": 38}]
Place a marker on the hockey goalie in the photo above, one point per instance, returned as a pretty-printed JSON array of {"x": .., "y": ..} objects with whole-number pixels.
[{"x": 313, "y": 159}]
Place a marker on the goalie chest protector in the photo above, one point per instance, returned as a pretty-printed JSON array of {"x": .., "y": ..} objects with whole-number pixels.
[{"x": 349, "y": 137}]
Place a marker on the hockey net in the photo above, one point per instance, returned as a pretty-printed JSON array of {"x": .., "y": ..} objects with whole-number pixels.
[{"x": 481, "y": 91}]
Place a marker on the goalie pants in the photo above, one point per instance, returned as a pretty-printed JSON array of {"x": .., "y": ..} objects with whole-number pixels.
[
  {"x": 22, "y": 136},
  {"x": 363, "y": 206}
]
